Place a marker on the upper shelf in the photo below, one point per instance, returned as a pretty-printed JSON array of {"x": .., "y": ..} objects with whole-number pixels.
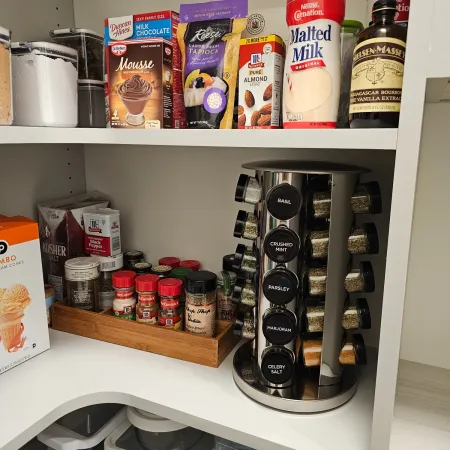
[
  {"x": 77, "y": 372},
  {"x": 375, "y": 139}
]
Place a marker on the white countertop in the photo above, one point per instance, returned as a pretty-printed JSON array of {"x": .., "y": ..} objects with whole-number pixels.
[{"x": 77, "y": 372}]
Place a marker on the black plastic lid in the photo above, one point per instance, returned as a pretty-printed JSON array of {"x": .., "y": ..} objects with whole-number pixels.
[
  {"x": 374, "y": 190},
  {"x": 279, "y": 326},
  {"x": 201, "y": 282},
  {"x": 228, "y": 263},
  {"x": 360, "y": 350},
  {"x": 237, "y": 291},
  {"x": 240, "y": 224},
  {"x": 239, "y": 323},
  {"x": 365, "y": 320},
  {"x": 142, "y": 267},
  {"x": 384, "y": 5},
  {"x": 239, "y": 196},
  {"x": 284, "y": 201},
  {"x": 280, "y": 286},
  {"x": 239, "y": 257},
  {"x": 369, "y": 276},
  {"x": 277, "y": 365},
  {"x": 134, "y": 255},
  {"x": 282, "y": 245},
  {"x": 372, "y": 238}
]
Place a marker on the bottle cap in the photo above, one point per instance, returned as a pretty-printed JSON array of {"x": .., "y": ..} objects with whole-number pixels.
[
  {"x": 239, "y": 226},
  {"x": 239, "y": 257},
  {"x": 180, "y": 273},
  {"x": 279, "y": 326},
  {"x": 381, "y": 5},
  {"x": 283, "y": 360},
  {"x": 352, "y": 26},
  {"x": 141, "y": 268},
  {"x": 201, "y": 282},
  {"x": 239, "y": 323},
  {"x": 162, "y": 270},
  {"x": 280, "y": 286},
  {"x": 124, "y": 279},
  {"x": 228, "y": 263},
  {"x": 147, "y": 283},
  {"x": 170, "y": 261},
  {"x": 134, "y": 255},
  {"x": 170, "y": 287},
  {"x": 360, "y": 350},
  {"x": 190, "y": 264},
  {"x": 368, "y": 275},
  {"x": 372, "y": 238},
  {"x": 374, "y": 191},
  {"x": 284, "y": 201},
  {"x": 241, "y": 188},
  {"x": 365, "y": 321}
]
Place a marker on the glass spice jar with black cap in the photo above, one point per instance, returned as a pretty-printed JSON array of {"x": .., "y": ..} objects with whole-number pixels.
[
  {"x": 246, "y": 226},
  {"x": 245, "y": 260},
  {"x": 361, "y": 279},
  {"x": 132, "y": 257},
  {"x": 201, "y": 303},
  {"x": 248, "y": 190},
  {"x": 226, "y": 282},
  {"x": 244, "y": 326},
  {"x": 244, "y": 293},
  {"x": 162, "y": 271},
  {"x": 142, "y": 268}
]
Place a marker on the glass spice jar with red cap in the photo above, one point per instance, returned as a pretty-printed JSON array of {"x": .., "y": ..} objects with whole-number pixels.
[
  {"x": 124, "y": 304},
  {"x": 147, "y": 306},
  {"x": 171, "y": 261},
  {"x": 190, "y": 264},
  {"x": 170, "y": 313}
]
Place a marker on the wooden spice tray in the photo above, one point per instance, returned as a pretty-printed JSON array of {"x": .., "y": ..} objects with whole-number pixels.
[{"x": 175, "y": 344}]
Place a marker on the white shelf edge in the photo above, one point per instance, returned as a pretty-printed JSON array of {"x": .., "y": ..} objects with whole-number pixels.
[
  {"x": 78, "y": 372},
  {"x": 369, "y": 139}
]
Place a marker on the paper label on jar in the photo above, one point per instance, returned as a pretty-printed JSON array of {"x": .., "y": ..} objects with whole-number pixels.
[
  {"x": 201, "y": 319},
  {"x": 174, "y": 322},
  {"x": 127, "y": 312},
  {"x": 149, "y": 317},
  {"x": 89, "y": 273},
  {"x": 225, "y": 310}
]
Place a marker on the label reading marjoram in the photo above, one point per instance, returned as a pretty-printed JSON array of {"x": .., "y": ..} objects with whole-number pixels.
[{"x": 377, "y": 75}]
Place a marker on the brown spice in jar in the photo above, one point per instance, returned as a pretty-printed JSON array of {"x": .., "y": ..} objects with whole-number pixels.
[
  {"x": 360, "y": 203},
  {"x": 354, "y": 281},
  {"x": 319, "y": 243},
  {"x": 315, "y": 316},
  {"x": 322, "y": 204},
  {"x": 312, "y": 353},
  {"x": 317, "y": 281},
  {"x": 347, "y": 357},
  {"x": 357, "y": 242},
  {"x": 350, "y": 320}
]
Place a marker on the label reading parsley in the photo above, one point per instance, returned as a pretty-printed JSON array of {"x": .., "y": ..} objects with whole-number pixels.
[{"x": 377, "y": 76}]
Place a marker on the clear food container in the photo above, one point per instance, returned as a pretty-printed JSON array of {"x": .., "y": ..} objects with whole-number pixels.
[
  {"x": 89, "y": 46},
  {"x": 91, "y": 104},
  {"x": 45, "y": 89},
  {"x": 6, "y": 108}
]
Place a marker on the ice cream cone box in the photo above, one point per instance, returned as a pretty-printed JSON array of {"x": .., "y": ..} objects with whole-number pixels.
[{"x": 23, "y": 316}]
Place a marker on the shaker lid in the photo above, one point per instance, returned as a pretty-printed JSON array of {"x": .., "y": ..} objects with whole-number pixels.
[
  {"x": 190, "y": 264},
  {"x": 352, "y": 26},
  {"x": 170, "y": 261},
  {"x": 170, "y": 287},
  {"x": 372, "y": 238},
  {"x": 380, "y": 5},
  {"x": 124, "y": 279},
  {"x": 241, "y": 187},
  {"x": 201, "y": 282},
  {"x": 180, "y": 272},
  {"x": 240, "y": 224},
  {"x": 365, "y": 320},
  {"x": 147, "y": 283},
  {"x": 228, "y": 263}
]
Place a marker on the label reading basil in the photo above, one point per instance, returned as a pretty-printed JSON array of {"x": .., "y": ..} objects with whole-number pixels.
[{"x": 284, "y": 202}]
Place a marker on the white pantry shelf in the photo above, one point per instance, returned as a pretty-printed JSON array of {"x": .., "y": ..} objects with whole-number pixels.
[
  {"x": 371, "y": 139},
  {"x": 78, "y": 372}
]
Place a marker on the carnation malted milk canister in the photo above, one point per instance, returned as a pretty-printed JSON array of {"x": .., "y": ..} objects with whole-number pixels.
[{"x": 312, "y": 74}]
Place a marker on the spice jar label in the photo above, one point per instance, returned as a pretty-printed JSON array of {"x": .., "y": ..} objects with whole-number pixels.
[
  {"x": 201, "y": 319},
  {"x": 127, "y": 312},
  {"x": 147, "y": 298},
  {"x": 149, "y": 317},
  {"x": 169, "y": 304},
  {"x": 174, "y": 322},
  {"x": 225, "y": 307}
]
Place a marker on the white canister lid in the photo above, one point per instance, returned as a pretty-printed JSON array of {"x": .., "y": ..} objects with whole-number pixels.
[
  {"x": 110, "y": 263},
  {"x": 75, "y": 32},
  {"x": 82, "y": 269},
  {"x": 151, "y": 422},
  {"x": 44, "y": 47}
]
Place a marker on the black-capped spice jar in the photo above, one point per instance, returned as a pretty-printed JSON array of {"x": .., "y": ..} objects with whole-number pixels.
[
  {"x": 170, "y": 313},
  {"x": 132, "y": 257},
  {"x": 244, "y": 326},
  {"x": 248, "y": 190},
  {"x": 162, "y": 271},
  {"x": 201, "y": 303},
  {"x": 284, "y": 201},
  {"x": 279, "y": 326},
  {"x": 245, "y": 260},
  {"x": 282, "y": 245},
  {"x": 142, "y": 268},
  {"x": 108, "y": 265},
  {"x": 244, "y": 293},
  {"x": 367, "y": 199},
  {"x": 226, "y": 282},
  {"x": 246, "y": 226},
  {"x": 280, "y": 286},
  {"x": 147, "y": 298},
  {"x": 361, "y": 279}
]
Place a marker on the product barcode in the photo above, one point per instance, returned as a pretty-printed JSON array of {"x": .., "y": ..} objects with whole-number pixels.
[
  {"x": 109, "y": 265},
  {"x": 116, "y": 243}
]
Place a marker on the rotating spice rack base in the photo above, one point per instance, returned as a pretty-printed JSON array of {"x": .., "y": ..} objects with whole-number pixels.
[
  {"x": 304, "y": 397},
  {"x": 105, "y": 327}
]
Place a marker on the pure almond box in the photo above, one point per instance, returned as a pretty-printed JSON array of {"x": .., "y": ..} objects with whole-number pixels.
[
  {"x": 23, "y": 315},
  {"x": 261, "y": 65}
]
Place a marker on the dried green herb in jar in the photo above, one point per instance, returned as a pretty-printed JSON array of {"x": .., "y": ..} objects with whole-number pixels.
[
  {"x": 360, "y": 280},
  {"x": 367, "y": 199},
  {"x": 317, "y": 280},
  {"x": 321, "y": 202},
  {"x": 244, "y": 293},
  {"x": 246, "y": 226},
  {"x": 364, "y": 240},
  {"x": 245, "y": 260},
  {"x": 315, "y": 317},
  {"x": 319, "y": 240}
]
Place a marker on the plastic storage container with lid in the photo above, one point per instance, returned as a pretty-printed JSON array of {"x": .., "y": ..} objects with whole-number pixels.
[
  {"x": 89, "y": 46},
  {"x": 108, "y": 265},
  {"x": 124, "y": 304},
  {"x": 6, "y": 102},
  {"x": 226, "y": 281},
  {"x": 91, "y": 104},
  {"x": 84, "y": 428},
  {"x": 349, "y": 35},
  {"x": 170, "y": 313},
  {"x": 45, "y": 88}
]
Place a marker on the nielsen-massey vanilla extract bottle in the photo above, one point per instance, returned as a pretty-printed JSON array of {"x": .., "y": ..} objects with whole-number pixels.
[{"x": 377, "y": 74}]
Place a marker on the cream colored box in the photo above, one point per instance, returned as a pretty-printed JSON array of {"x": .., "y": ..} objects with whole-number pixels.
[{"x": 23, "y": 317}]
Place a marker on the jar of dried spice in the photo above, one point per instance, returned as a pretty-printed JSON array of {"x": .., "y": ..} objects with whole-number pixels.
[
  {"x": 108, "y": 265},
  {"x": 201, "y": 303},
  {"x": 147, "y": 292},
  {"x": 132, "y": 257},
  {"x": 225, "y": 287},
  {"x": 162, "y": 271},
  {"x": 244, "y": 293},
  {"x": 320, "y": 205},
  {"x": 170, "y": 261},
  {"x": 124, "y": 304},
  {"x": 248, "y": 190},
  {"x": 317, "y": 244},
  {"x": 367, "y": 199},
  {"x": 142, "y": 268},
  {"x": 170, "y": 314},
  {"x": 245, "y": 260},
  {"x": 364, "y": 240},
  {"x": 244, "y": 326},
  {"x": 361, "y": 279},
  {"x": 316, "y": 279},
  {"x": 246, "y": 226}
]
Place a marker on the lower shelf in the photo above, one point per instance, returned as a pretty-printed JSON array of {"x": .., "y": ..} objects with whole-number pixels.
[
  {"x": 422, "y": 408},
  {"x": 78, "y": 372}
]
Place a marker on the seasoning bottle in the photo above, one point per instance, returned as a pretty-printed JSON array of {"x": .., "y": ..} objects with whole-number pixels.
[
  {"x": 361, "y": 279},
  {"x": 248, "y": 190},
  {"x": 170, "y": 261},
  {"x": 181, "y": 273},
  {"x": 225, "y": 287},
  {"x": 201, "y": 303},
  {"x": 244, "y": 326},
  {"x": 228, "y": 263},
  {"x": 244, "y": 293},
  {"x": 321, "y": 204},
  {"x": 83, "y": 283},
  {"x": 377, "y": 74},
  {"x": 245, "y": 260},
  {"x": 142, "y": 268},
  {"x": 364, "y": 240},
  {"x": 162, "y": 271},
  {"x": 190, "y": 264},
  {"x": 147, "y": 293},
  {"x": 246, "y": 226},
  {"x": 108, "y": 265},
  {"x": 317, "y": 244},
  {"x": 367, "y": 199},
  {"x": 124, "y": 304},
  {"x": 170, "y": 314},
  {"x": 316, "y": 279},
  {"x": 132, "y": 257}
]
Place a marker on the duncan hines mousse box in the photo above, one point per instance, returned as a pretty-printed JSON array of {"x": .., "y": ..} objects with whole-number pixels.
[
  {"x": 143, "y": 64},
  {"x": 61, "y": 231},
  {"x": 23, "y": 315},
  {"x": 261, "y": 65}
]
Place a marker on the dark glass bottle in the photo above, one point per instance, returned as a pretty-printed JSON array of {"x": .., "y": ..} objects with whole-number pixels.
[{"x": 377, "y": 75}]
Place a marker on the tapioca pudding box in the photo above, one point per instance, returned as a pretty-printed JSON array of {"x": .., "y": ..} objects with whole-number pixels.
[
  {"x": 23, "y": 316},
  {"x": 143, "y": 64}
]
